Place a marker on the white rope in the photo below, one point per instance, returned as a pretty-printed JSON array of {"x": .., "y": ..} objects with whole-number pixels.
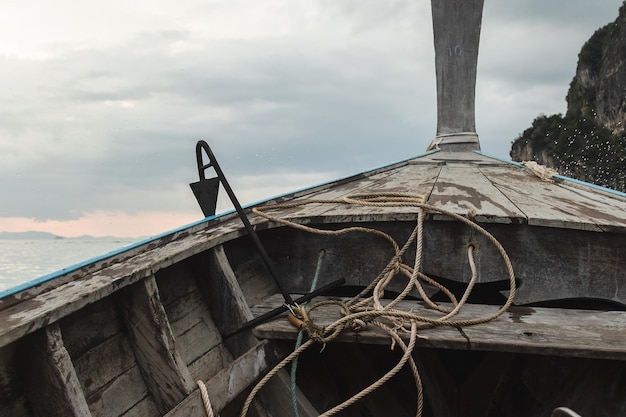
[
  {"x": 362, "y": 309},
  {"x": 542, "y": 171},
  {"x": 205, "y": 398},
  {"x": 564, "y": 412}
]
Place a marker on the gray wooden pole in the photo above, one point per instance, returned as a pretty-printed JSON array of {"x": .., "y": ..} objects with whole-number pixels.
[{"x": 456, "y": 26}]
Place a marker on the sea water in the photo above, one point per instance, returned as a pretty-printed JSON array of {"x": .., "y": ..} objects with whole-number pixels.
[{"x": 25, "y": 260}]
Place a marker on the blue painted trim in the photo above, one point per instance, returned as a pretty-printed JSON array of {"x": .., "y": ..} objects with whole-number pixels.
[
  {"x": 48, "y": 277},
  {"x": 53, "y": 275},
  {"x": 588, "y": 184},
  {"x": 337, "y": 179},
  {"x": 563, "y": 177}
]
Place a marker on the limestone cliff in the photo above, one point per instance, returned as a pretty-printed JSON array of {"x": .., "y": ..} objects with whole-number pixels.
[
  {"x": 587, "y": 143},
  {"x": 598, "y": 88}
]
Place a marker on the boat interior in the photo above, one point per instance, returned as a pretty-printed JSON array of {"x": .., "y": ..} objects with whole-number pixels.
[
  {"x": 132, "y": 334},
  {"x": 448, "y": 284}
]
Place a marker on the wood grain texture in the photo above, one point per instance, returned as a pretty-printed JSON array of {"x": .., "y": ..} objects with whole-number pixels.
[
  {"x": 229, "y": 383},
  {"x": 566, "y": 241},
  {"x": 546, "y": 331},
  {"x": 105, "y": 362},
  {"x": 102, "y": 364},
  {"x": 153, "y": 343},
  {"x": 469, "y": 183},
  {"x": 464, "y": 190},
  {"x": 120, "y": 395},
  {"x": 198, "y": 339},
  {"x": 50, "y": 378},
  {"x": 230, "y": 313}
]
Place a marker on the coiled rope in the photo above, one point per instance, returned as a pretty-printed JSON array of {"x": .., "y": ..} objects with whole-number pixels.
[{"x": 364, "y": 309}]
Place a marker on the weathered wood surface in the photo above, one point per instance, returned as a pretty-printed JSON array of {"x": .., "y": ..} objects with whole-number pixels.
[
  {"x": 198, "y": 339},
  {"x": 456, "y": 30},
  {"x": 154, "y": 346},
  {"x": 229, "y": 383},
  {"x": 556, "y": 205},
  {"x": 464, "y": 190},
  {"x": 51, "y": 382},
  {"x": 12, "y": 397},
  {"x": 233, "y": 311},
  {"x": 121, "y": 397},
  {"x": 29, "y": 314},
  {"x": 104, "y": 361},
  {"x": 580, "y": 208},
  {"x": 541, "y": 203},
  {"x": 546, "y": 331},
  {"x": 93, "y": 326},
  {"x": 411, "y": 179},
  {"x": 105, "y": 364},
  {"x": 101, "y": 365}
]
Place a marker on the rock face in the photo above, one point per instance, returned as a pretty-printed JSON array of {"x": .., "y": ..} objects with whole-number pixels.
[
  {"x": 589, "y": 142},
  {"x": 599, "y": 86}
]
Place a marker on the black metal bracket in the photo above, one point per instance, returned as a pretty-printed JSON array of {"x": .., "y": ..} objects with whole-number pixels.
[
  {"x": 212, "y": 188},
  {"x": 206, "y": 191},
  {"x": 275, "y": 312}
]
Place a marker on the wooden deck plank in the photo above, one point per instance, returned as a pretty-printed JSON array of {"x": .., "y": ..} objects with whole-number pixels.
[
  {"x": 608, "y": 211},
  {"x": 549, "y": 204},
  {"x": 547, "y": 331},
  {"x": 335, "y": 192},
  {"x": 452, "y": 157},
  {"x": 464, "y": 190},
  {"x": 410, "y": 178},
  {"x": 171, "y": 290},
  {"x": 187, "y": 312}
]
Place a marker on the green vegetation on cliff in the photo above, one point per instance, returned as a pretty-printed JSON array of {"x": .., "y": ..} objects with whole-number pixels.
[
  {"x": 576, "y": 147},
  {"x": 589, "y": 142}
]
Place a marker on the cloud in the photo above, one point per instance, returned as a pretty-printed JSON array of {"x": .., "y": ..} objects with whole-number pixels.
[{"x": 106, "y": 120}]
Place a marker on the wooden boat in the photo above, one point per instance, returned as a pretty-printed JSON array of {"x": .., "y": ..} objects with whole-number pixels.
[{"x": 488, "y": 286}]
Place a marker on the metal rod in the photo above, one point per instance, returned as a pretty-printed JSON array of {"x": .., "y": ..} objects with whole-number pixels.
[
  {"x": 273, "y": 313},
  {"x": 242, "y": 215}
]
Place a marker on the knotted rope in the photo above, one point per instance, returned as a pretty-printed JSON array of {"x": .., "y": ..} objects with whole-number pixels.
[{"x": 364, "y": 309}]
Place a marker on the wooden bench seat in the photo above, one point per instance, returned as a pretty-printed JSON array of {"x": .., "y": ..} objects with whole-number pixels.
[{"x": 546, "y": 331}]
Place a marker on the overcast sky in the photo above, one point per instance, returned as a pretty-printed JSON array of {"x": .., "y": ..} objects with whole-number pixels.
[{"x": 102, "y": 102}]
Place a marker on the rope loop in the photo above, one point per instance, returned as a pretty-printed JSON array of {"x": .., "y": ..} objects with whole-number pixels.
[{"x": 369, "y": 307}]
